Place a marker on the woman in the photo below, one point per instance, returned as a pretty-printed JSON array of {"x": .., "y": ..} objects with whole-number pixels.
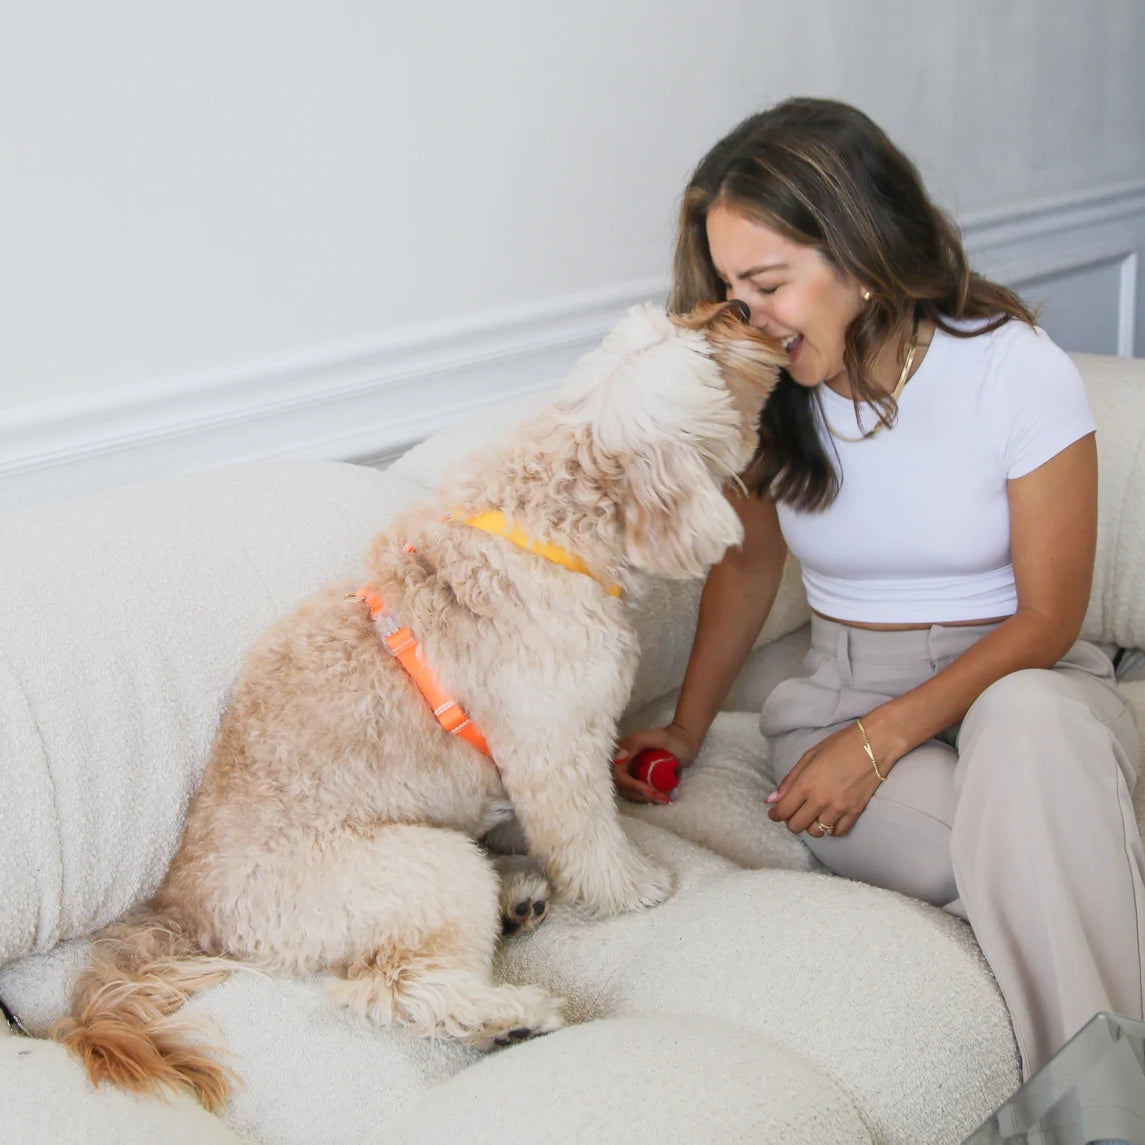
[{"x": 929, "y": 457}]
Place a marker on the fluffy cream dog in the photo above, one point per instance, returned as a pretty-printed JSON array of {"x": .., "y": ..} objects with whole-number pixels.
[{"x": 338, "y": 828}]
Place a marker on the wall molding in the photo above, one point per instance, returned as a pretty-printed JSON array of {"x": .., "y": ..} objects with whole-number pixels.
[
  {"x": 365, "y": 401},
  {"x": 1120, "y": 255},
  {"x": 1056, "y": 239},
  {"x": 982, "y": 230},
  {"x": 371, "y": 399}
]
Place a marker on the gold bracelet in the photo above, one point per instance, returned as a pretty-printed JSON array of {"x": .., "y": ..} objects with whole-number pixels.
[{"x": 869, "y": 751}]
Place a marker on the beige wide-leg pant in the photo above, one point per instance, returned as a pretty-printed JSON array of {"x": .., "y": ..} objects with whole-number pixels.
[{"x": 1020, "y": 819}]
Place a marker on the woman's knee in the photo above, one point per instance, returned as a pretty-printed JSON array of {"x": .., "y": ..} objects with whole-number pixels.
[
  {"x": 1039, "y": 705},
  {"x": 920, "y": 868},
  {"x": 1028, "y": 693},
  {"x": 901, "y": 846},
  {"x": 1035, "y": 733},
  {"x": 1023, "y": 708}
]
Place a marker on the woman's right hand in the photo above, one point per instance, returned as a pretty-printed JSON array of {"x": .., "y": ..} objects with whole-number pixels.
[
  {"x": 737, "y": 597},
  {"x": 672, "y": 738}
]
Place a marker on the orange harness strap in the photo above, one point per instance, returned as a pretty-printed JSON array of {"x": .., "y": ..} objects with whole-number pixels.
[{"x": 400, "y": 643}]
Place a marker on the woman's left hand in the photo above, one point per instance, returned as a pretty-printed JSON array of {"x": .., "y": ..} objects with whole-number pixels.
[{"x": 829, "y": 787}]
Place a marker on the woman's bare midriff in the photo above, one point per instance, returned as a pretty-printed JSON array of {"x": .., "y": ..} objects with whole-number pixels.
[{"x": 910, "y": 627}]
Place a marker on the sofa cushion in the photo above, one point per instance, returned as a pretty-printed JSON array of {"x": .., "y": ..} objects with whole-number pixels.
[
  {"x": 123, "y": 620},
  {"x": 124, "y": 617},
  {"x": 633, "y": 1081},
  {"x": 311, "y": 1073},
  {"x": 45, "y": 1099},
  {"x": 1116, "y": 387},
  {"x": 887, "y": 997}
]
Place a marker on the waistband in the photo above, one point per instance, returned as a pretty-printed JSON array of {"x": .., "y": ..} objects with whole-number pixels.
[{"x": 890, "y": 647}]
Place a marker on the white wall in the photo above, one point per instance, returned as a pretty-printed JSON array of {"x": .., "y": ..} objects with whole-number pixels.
[{"x": 211, "y": 214}]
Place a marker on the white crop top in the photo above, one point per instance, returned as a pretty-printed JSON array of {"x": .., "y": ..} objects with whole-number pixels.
[{"x": 920, "y": 530}]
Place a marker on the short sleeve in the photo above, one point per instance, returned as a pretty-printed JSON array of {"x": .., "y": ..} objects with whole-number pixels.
[{"x": 1034, "y": 399}]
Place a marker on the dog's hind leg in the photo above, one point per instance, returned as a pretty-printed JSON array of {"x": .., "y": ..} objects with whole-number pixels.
[
  {"x": 423, "y": 918},
  {"x": 525, "y": 893},
  {"x": 525, "y": 889}
]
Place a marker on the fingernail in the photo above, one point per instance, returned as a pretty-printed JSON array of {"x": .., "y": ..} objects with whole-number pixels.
[
  {"x": 621, "y": 755},
  {"x": 773, "y": 797},
  {"x": 662, "y": 798}
]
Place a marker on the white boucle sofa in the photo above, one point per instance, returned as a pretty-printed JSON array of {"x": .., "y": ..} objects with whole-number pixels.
[{"x": 766, "y": 1001}]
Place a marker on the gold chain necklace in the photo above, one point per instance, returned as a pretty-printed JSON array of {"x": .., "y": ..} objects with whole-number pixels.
[{"x": 894, "y": 395}]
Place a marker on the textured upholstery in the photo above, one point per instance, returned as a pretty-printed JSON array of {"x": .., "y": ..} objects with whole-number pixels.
[{"x": 765, "y": 1001}]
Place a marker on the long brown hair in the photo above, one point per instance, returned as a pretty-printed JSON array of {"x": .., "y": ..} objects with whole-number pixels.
[{"x": 822, "y": 173}]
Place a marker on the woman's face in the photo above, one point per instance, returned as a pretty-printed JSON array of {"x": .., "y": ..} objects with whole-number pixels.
[{"x": 793, "y": 293}]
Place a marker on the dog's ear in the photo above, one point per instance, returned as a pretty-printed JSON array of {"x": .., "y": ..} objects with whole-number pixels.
[
  {"x": 748, "y": 359},
  {"x": 676, "y": 520},
  {"x": 670, "y": 408}
]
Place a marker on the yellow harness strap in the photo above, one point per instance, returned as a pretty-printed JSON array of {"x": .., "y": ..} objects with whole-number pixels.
[{"x": 495, "y": 522}]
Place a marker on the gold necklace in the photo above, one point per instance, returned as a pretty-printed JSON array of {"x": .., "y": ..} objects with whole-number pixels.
[{"x": 894, "y": 395}]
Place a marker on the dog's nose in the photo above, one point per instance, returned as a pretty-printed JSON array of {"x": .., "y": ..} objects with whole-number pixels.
[{"x": 740, "y": 309}]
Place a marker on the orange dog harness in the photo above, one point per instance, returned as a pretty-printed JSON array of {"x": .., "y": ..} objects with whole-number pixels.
[{"x": 400, "y": 643}]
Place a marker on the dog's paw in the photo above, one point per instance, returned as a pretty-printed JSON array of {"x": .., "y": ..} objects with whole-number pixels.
[
  {"x": 525, "y": 894},
  {"x": 638, "y": 883},
  {"x": 649, "y": 886},
  {"x": 533, "y": 1012},
  {"x": 655, "y": 887}
]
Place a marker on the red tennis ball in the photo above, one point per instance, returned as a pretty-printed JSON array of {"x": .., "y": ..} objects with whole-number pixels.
[{"x": 656, "y": 767}]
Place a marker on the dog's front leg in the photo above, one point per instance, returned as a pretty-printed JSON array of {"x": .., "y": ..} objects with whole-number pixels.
[{"x": 561, "y": 788}]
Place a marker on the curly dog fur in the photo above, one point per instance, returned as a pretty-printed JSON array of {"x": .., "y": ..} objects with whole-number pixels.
[{"x": 338, "y": 830}]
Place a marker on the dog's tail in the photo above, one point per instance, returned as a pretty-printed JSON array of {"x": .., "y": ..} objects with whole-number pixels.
[{"x": 124, "y": 1026}]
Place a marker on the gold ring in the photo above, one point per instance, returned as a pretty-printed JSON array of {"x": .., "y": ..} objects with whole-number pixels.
[{"x": 824, "y": 828}]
